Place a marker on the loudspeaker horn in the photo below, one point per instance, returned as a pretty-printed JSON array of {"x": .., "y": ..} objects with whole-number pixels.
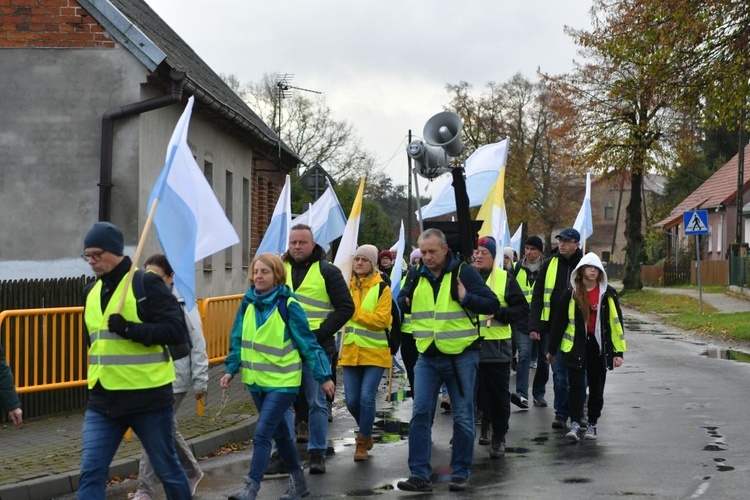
[
  {"x": 431, "y": 161},
  {"x": 444, "y": 130}
]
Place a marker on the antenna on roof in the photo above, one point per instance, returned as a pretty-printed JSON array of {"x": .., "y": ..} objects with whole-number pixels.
[{"x": 284, "y": 91}]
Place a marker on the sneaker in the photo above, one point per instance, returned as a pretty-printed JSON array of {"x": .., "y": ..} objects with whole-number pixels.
[
  {"x": 317, "y": 462},
  {"x": 139, "y": 495},
  {"x": 559, "y": 423},
  {"x": 590, "y": 432},
  {"x": 303, "y": 432},
  {"x": 497, "y": 450},
  {"x": 540, "y": 402},
  {"x": 415, "y": 484},
  {"x": 194, "y": 481},
  {"x": 483, "y": 439},
  {"x": 458, "y": 484},
  {"x": 519, "y": 401},
  {"x": 276, "y": 467},
  {"x": 445, "y": 404},
  {"x": 573, "y": 432}
]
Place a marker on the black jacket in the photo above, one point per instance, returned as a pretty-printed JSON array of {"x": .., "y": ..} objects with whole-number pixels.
[
  {"x": 574, "y": 358},
  {"x": 500, "y": 351},
  {"x": 565, "y": 266},
  {"x": 338, "y": 293},
  {"x": 163, "y": 323}
]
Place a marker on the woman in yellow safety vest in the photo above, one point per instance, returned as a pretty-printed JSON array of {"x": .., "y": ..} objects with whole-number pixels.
[
  {"x": 588, "y": 330},
  {"x": 364, "y": 352},
  {"x": 270, "y": 338}
]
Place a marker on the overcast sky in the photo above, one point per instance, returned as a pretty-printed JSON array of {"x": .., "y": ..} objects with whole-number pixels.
[{"x": 382, "y": 65}]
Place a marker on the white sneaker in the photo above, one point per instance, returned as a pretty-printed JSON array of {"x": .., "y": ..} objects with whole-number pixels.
[
  {"x": 573, "y": 433},
  {"x": 590, "y": 432}
]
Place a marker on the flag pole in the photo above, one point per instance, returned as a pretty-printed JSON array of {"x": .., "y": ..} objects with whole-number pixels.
[
  {"x": 584, "y": 241},
  {"x": 138, "y": 252}
]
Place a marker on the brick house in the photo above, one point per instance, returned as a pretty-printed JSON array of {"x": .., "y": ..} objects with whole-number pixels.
[
  {"x": 92, "y": 90},
  {"x": 717, "y": 195}
]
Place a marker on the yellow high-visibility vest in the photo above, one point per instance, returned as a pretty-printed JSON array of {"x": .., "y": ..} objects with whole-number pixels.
[
  {"x": 118, "y": 363},
  {"x": 617, "y": 334},
  {"x": 312, "y": 295},
  {"x": 496, "y": 330},
  {"x": 549, "y": 284},
  {"x": 361, "y": 336},
  {"x": 268, "y": 360}
]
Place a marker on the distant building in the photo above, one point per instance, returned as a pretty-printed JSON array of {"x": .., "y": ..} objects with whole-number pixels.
[
  {"x": 609, "y": 200},
  {"x": 717, "y": 195},
  {"x": 92, "y": 90}
]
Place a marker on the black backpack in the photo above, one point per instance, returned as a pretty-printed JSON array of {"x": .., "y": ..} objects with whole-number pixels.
[{"x": 393, "y": 334}]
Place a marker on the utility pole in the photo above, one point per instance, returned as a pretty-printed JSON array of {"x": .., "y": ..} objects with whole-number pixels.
[
  {"x": 283, "y": 91},
  {"x": 409, "y": 210}
]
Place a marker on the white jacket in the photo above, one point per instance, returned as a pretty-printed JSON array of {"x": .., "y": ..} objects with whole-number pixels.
[{"x": 191, "y": 372}]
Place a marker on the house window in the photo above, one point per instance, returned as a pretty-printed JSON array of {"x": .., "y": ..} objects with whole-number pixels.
[
  {"x": 208, "y": 171},
  {"x": 710, "y": 237},
  {"x": 228, "y": 186},
  {"x": 720, "y": 235},
  {"x": 609, "y": 211},
  {"x": 605, "y": 256}
]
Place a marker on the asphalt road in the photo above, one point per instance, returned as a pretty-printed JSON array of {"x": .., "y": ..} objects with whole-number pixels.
[{"x": 675, "y": 425}]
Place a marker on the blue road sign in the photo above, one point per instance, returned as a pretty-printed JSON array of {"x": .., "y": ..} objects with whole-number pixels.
[{"x": 695, "y": 222}]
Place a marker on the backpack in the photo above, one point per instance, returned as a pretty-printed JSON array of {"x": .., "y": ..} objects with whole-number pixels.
[
  {"x": 177, "y": 351},
  {"x": 393, "y": 334}
]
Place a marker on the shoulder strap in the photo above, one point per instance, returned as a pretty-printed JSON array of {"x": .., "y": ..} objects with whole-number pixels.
[{"x": 283, "y": 309}]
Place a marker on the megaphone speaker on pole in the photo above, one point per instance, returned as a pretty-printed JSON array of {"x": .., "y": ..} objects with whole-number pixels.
[{"x": 444, "y": 130}]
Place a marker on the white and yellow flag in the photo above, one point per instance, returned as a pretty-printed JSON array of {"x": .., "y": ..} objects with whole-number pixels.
[
  {"x": 495, "y": 217},
  {"x": 347, "y": 247}
]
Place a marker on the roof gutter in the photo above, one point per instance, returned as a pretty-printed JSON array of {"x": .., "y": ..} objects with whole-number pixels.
[{"x": 107, "y": 141}]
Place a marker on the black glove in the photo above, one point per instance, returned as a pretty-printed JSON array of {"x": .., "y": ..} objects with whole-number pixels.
[{"x": 118, "y": 325}]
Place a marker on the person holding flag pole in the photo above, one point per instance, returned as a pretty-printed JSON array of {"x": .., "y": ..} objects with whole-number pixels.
[{"x": 130, "y": 370}]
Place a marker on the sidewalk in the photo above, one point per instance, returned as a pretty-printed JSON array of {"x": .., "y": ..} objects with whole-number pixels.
[
  {"x": 42, "y": 459},
  {"x": 722, "y": 302}
]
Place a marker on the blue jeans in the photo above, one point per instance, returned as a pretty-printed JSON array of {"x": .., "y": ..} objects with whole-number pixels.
[
  {"x": 272, "y": 425},
  {"x": 102, "y": 436},
  {"x": 429, "y": 374},
  {"x": 318, "y": 416},
  {"x": 360, "y": 389},
  {"x": 529, "y": 350},
  {"x": 560, "y": 385}
]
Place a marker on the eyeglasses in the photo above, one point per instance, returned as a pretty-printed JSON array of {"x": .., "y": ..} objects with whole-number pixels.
[{"x": 97, "y": 256}]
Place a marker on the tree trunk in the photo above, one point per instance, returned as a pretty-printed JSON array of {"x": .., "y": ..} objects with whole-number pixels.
[{"x": 633, "y": 236}]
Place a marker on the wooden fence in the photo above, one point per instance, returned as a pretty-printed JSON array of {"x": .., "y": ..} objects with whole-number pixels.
[
  {"x": 713, "y": 272},
  {"x": 652, "y": 275}
]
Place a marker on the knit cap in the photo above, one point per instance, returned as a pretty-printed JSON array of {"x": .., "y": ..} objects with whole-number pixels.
[
  {"x": 369, "y": 252},
  {"x": 106, "y": 236},
  {"x": 416, "y": 254},
  {"x": 536, "y": 242},
  {"x": 488, "y": 242}
]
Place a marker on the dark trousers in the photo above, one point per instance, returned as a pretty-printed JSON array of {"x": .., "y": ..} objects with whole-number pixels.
[
  {"x": 541, "y": 374},
  {"x": 595, "y": 369},
  {"x": 494, "y": 395},
  {"x": 409, "y": 355}
]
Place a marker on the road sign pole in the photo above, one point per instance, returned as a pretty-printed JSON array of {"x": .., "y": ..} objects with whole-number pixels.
[{"x": 698, "y": 269}]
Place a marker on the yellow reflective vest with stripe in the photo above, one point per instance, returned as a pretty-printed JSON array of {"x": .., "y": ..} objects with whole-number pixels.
[
  {"x": 117, "y": 363},
  {"x": 617, "y": 334},
  {"x": 361, "y": 336},
  {"x": 549, "y": 285},
  {"x": 496, "y": 330},
  {"x": 406, "y": 325},
  {"x": 311, "y": 294},
  {"x": 440, "y": 320},
  {"x": 269, "y": 359},
  {"x": 523, "y": 282}
]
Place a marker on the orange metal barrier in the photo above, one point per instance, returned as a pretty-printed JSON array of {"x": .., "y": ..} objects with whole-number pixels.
[
  {"x": 45, "y": 348},
  {"x": 217, "y": 315}
]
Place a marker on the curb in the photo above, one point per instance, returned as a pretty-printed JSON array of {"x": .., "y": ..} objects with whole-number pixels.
[{"x": 42, "y": 488}]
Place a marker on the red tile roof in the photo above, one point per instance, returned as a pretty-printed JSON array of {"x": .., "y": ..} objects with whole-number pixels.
[{"x": 719, "y": 189}]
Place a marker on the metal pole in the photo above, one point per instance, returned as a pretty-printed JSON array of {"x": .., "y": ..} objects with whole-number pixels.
[
  {"x": 409, "y": 210},
  {"x": 698, "y": 269}
]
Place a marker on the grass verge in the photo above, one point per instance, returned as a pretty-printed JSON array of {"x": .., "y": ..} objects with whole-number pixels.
[{"x": 682, "y": 311}]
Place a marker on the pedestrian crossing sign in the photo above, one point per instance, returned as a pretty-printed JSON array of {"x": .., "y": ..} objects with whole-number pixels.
[{"x": 695, "y": 222}]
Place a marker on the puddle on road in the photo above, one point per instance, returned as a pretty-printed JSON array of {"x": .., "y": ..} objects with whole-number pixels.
[{"x": 730, "y": 354}]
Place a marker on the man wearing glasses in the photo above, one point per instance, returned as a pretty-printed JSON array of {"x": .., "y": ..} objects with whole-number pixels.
[
  {"x": 130, "y": 370},
  {"x": 553, "y": 279}
]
